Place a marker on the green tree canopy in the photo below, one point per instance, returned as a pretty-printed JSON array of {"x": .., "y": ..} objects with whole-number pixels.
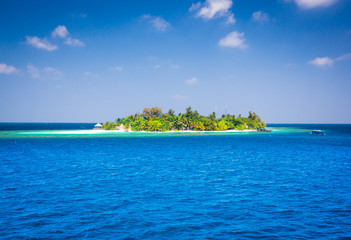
[{"x": 153, "y": 119}]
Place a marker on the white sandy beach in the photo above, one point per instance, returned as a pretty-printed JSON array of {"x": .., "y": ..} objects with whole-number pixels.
[{"x": 101, "y": 132}]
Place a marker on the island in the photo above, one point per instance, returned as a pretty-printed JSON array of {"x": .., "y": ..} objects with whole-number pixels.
[{"x": 155, "y": 120}]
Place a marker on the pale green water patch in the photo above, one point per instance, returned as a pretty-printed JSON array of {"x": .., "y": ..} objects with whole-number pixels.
[
  {"x": 101, "y": 133},
  {"x": 97, "y": 133},
  {"x": 289, "y": 130}
]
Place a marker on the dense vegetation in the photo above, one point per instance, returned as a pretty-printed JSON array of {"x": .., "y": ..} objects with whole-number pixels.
[{"x": 153, "y": 119}]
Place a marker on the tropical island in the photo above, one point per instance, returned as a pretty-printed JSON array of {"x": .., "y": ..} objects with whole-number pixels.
[{"x": 155, "y": 120}]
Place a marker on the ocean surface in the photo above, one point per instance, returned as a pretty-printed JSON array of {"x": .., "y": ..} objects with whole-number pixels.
[{"x": 285, "y": 184}]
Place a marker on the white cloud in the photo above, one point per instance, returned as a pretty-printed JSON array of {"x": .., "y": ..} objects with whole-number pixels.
[
  {"x": 314, "y": 3},
  {"x": 117, "y": 68},
  {"x": 74, "y": 42},
  {"x": 212, "y": 9},
  {"x": 175, "y": 66},
  {"x": 7, "y": 69},
  {"x": 192, "y": 81},
  {"x": 158, "y": 23},
  {"x": 33, "y": 71},
  {"x": 230, "y": 18},
  {"x": 40, "y": 43},
  {"x": 90, "y": 74},
  {"x": 323, "y": 61},
  {"x": 194, "y": 6},
  {"x": 178, "y": 97},
  {"x": 234, "y": 40},
  {"x": 157, "y": 66},
  {"x": 60, "y": 31},
  {"x": 260, "y": 16},
  {"x": 327, "y": 61},
  {"x": 47, "y": 72},
  {"x": 343, "y": 57}
]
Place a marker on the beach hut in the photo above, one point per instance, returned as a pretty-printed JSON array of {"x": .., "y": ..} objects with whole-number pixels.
[
  {"x": 98, "y": 126},
  {"x": 121, "y": 128}
]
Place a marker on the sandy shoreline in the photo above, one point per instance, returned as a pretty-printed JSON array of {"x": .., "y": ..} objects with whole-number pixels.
[
  {"x": 180, "y": 131},
  {"x": 112, "y": 132}
]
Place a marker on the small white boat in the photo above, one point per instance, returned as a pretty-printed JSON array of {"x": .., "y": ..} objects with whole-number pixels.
[{"x": 318, "y": 132}]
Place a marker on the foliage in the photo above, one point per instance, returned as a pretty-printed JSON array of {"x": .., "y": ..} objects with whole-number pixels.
[
  {"x": 109, "y": 126},
  {"x": 153, "y": 119},
  {"x": 152, "y": 112}
]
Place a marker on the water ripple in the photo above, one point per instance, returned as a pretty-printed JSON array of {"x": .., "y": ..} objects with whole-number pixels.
[{"x": 284, "y": 186}]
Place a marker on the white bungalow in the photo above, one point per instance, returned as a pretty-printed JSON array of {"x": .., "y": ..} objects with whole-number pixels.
[
  {"x": 121, "y": 128},
  {"x": 98, "y": 126}
]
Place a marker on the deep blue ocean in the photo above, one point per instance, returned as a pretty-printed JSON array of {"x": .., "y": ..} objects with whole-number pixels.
[{"x": 285, "y": 184}]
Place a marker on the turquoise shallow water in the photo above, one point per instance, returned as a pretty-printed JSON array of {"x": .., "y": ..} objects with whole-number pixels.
[
  {"x": 287, "y": 184},
  {"x": 42, "y": 132}
]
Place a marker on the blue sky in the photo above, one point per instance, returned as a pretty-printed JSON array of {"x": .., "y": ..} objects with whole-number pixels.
[{"x": 90, "y": 61}]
